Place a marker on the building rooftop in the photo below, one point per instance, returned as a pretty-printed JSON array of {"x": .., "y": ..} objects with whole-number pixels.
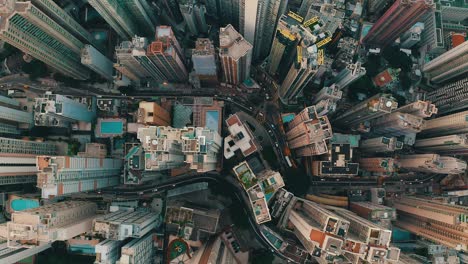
[
  {"x": 232, "y": 44},
  {"x": 240, "y": 138}
]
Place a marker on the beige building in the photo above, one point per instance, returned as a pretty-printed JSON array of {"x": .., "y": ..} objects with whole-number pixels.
[
  {"x": 397, "y": 124},
  {"x": 441, "y": 223},
  {"x": 447, "y": 125},
  {"x": 449, "y": 65},
  {"x": 451, "y": 144},
  {"x": 419, "y": 108},
  {"x": 60, "y": 175},
  {"x": 151, "y": 113},
  {"x": 432, "y": 163},
  {"x": 48, "y": 223},
  {"x": 309, "y": 133},
  {"x": 378, "y": 165},
  {"x": 233, "y": 53},
  {"x": 380, "y": 144},
  {"x": 240, "y": 138}
]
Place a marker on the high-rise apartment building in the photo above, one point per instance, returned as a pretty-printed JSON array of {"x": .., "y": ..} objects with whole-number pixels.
[
  {"x": 205, "y": 62},
  {"x": 268, "y": 14},
  {"x": 62, "y": 17},
  {"x": 449, "y": 65},
  {"x": 108, "y": 251},
  {"x": 151, "y": 113},
  {"x": 127, "y": 17},
  {"x": 319, "y": 230},
  {"x": 397, "y": 20},
  {"x": 397, "y": 124},
  {"x": 451, "y": 144},
  {"x": 438, "y": 222},
  {"x": 59, "y": 110},
  {"x": 194, "y": 16},
  {"x": 18, "y": 159},
  {"x": 127, "y": 64},
  {"x": 308, "y": 133},
  {"x": 167, "y": 55},
  {"x": 123, "y": 224},
  {"x": 372, "y": 108},
  {"x": 240, "y": 138},
  {"x": 60, "y": 175},
  {"x": 451, "y": 97},
  {"x": 288, "y": 34},
  {"x": 97, "y": 62},
  {"x": 169, "y": 148},
  {"x": 138, "y": 250},
  {"x": 348, "y": 75},
  {"x": 384, "y": 166},
  {"x": 380, "y": 144},
  {"x": 374, "y": 238},
  {"x": 233, "y": 55},
  {"x": 48, "y": 223},
  {"x": 432, "y": 163},
  {"x": 28, "y": 28},
  {"x": 339, "y": 164},
  {"x": 332, "y": 93},
  {"x": 419, "y": 108},
  {"x": 447, "y": 125},
  {"x": 12, "y": 117},
  {"x": 302, "y": 71},
  {"x": 373, "y": 212}
]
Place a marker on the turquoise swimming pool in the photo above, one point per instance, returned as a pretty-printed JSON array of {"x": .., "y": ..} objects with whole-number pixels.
[
  {"x": 212, "y": 119},
  {"x": 23, "y": 204},
  {"x": 111, "y": 127}
]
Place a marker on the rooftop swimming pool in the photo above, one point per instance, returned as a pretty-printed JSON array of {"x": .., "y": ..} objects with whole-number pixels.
[
  {"x": 111, "y": 127},
  {"x": 212, "y": 119}
]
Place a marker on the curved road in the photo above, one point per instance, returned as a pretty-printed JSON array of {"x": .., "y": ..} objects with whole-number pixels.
[{"x": 237, "y": 192}]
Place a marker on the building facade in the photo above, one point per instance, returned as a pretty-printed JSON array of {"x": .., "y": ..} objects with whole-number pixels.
[
  {"x": 32, "y": 31},
  {"x": 233, "y": 55},
  {"x": 397, "y": 20},
  {"x": 205, "y": 62},
  {"x": 127, "y": 18},
  {"x": 449, "y": 65}
]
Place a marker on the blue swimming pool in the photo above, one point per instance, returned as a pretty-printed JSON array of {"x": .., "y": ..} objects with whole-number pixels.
[
  {"x": 111, "y": 127},
  {"x": 212, "y": 119},
  {"x": 23, "y": 204}
]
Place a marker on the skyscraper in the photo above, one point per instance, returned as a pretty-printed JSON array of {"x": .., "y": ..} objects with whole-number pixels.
[
  {"x": 129, "y": 65},
  {"x": 332, "y": 93},
  {"x": 127, "y": 17},
  {"x": 12, "y": 118},
  {"x": 376, "y": 106},
  {"x": 348, "y": 75},
  {"x": 150, "y": 113},
  {"x": 432, "y": 163},
  {"x": 397, "y": 124},
  {"x": 204, "y": 62},
  {"x": 61, "y": 175},
  {"x": 268, "y": 14},
  {"x": 308, "y": 133},
  {"x": 451, "y": 97},
  {"x": 319, "y": 230},
  {"x": 194, "y": 16},
  {"x": 397, "y": 20},
  {"x": 284, "y": 45},
  {"x": 233, "y": 53},
  {"x": 51, "y": 222},
  {"x": 18, "y": 159},
  {"x": 59, "y": 110},
  {"x": 447, "y": 125},
  {"x": 31, "y": 30},
  {"x": 97, "y": 62},
  {"x": 438, "y": 222},
  {"x": 166, "y": 53},
  {"x": 451, "y": 144},
  {"x": 168, "y": 148},
  {"x": 419, "y": 108},
  {"x": 384, "y": 166},
  {"x": 380, "y": 144},
  {"x": 449, "y": 65},
  {"x": 302, "y": 71}
]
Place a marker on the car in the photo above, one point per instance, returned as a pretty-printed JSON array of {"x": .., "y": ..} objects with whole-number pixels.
[
  {"x": 141, "y": 193},
  {"x": 276, "y": 144},
  {"x": 273, "y": 126}
]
